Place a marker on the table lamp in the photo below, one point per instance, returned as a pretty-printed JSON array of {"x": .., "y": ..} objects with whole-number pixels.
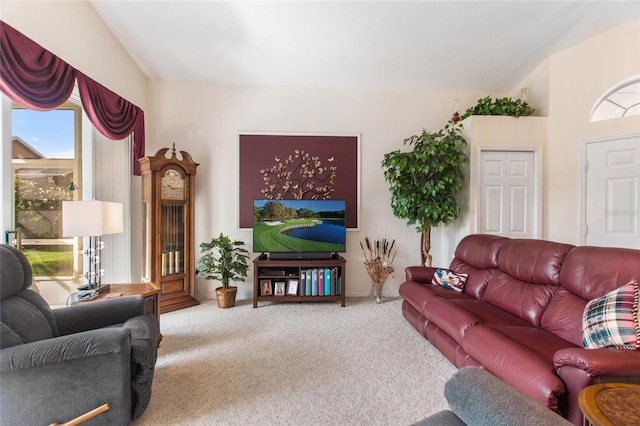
[{"x": 92, "y": 219}]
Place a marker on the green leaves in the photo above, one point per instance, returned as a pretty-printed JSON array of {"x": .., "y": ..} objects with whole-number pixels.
[
  {"x": 224, "y": 260},
  {"x": 423, "y": 182},
  {"x": 499, "y": 106}
]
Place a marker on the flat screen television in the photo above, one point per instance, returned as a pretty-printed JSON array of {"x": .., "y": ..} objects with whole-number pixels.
[{"x": 299, "y": 229}]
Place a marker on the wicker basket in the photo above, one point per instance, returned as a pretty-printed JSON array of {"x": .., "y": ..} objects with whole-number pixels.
[{"x": 226, "y": 297}]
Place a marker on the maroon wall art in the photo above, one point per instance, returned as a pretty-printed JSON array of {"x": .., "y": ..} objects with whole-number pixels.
[{"x": 278, "y": 166}]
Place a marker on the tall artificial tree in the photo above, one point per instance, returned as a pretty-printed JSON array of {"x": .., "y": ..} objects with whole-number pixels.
[{"x": 424, "y": 181}]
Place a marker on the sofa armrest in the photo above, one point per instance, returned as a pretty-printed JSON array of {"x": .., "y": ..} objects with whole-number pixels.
[
  {"x": 579, "y": 368},
  {"x": 419, "y": 274},
  {"x": 103, "y": 313},
  {"x": 599, "y": 362}
]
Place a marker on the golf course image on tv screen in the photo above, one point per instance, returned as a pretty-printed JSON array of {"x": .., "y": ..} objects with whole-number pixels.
[{"x": 299, "y": 226}]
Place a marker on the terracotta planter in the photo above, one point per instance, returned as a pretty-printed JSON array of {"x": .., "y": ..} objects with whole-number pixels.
[{"x": 226, "y": 297}]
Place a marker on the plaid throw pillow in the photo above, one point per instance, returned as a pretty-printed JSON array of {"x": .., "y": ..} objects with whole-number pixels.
[
  {"x": 449, "y": 279},
  {"x": 611, "y": 321}
]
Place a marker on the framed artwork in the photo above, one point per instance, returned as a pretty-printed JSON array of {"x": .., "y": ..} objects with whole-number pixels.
[
  {"x": 288, "y": 166},
  {"x": 265, "y": 288},
  {"x": 279, "y": 288},
  {"x": 292, "y": 288}
]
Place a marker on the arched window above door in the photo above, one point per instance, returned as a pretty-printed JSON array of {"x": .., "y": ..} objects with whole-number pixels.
[{"x": 621, "y": 100}]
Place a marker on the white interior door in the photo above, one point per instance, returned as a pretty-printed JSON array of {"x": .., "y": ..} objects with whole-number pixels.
[
  {"x": 612, "y": 193},
  {"x": 506, "y": 193}
]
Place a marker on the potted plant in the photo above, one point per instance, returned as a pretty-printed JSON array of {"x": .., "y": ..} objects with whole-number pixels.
[
  {"x": 424, "y": 181},
  {"x": 500, "y": 106},
  {"x": 224, "y": 260}
]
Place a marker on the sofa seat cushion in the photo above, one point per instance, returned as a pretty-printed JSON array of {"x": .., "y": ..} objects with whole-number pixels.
[
  {"x": 538, "y": 340},
  {"x": 455, "y": 316},
  {"x": 417, "y": 294},
  {"x": 515, "y": 363}
]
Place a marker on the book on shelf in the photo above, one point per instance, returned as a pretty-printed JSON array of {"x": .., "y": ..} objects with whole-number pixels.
[
  {"x": 314, "y": 282},
  {"x": 303, "y": 279},
  {"x": 320, "y": 273},
  {"x": 327, "y": 281},
  {"x": 307, "y": 274}
]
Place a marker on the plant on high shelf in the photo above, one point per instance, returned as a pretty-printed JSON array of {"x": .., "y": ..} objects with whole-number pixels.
[
  {"x": 224, "y": 260},
  {"x": 424, "y": 181},
  {"x": 378, "y": 259},
  {"x": 500, "y": 106}
]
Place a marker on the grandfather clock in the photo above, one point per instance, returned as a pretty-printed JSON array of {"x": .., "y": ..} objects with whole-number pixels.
[{"x": 168, "y": 196}]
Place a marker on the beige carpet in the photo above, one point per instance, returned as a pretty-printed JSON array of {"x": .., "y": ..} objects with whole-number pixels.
[{"x": 295, "y": 364}]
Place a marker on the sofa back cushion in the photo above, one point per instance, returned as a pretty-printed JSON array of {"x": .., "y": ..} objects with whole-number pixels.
[
  {"x": 533, "y": 261},
  {"x": 563, "y": 316},
  {"x": 477, "y": 255},
  {"x": 528, "y": 274},
  {"x": 587, "y": 273},
  {"x": 591, "y": 272}
]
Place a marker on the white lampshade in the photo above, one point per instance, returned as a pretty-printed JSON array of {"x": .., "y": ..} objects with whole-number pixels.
[{"x": 91, "y": 218}]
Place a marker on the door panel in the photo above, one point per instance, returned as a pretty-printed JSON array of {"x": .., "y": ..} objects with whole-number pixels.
[
  {"x": 612, "y": 193},
  {"x": 507, "y": 182}
]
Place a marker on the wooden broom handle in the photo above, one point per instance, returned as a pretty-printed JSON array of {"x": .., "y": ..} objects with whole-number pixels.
[{"x": 85, "y": 416}]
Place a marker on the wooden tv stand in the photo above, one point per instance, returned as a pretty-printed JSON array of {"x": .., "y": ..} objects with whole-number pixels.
[{"x": 283, "y": 270}]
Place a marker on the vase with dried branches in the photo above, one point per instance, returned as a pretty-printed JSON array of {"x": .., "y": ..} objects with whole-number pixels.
[{"x": 378, "y": 259}]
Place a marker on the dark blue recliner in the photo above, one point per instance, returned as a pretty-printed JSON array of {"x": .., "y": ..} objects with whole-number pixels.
[{"x": 57, "y": 364}]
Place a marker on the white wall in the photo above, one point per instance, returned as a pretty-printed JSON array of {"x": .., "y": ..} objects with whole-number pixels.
[
  {"x": 537, "y": 85},
  {"x": 578, "y": 76},
  {"x": 205, "y": 119}
]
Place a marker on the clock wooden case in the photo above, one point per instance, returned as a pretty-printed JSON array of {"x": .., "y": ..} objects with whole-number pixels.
[{"x": 168, "y": 188}]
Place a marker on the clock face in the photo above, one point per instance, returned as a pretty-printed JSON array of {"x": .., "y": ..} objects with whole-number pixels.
[{"x": 172, "y": 185}]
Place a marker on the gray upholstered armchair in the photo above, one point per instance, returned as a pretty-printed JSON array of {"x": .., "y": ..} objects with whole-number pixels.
[{"x": 56, "y": 364}]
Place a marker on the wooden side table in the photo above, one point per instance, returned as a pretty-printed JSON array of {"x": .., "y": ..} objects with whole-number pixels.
[
  {"x": 150, "y": 292},
  {"x": 610, "y": 404}
]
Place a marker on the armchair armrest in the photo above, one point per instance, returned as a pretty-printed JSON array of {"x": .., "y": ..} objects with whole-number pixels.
[
  {"x": 61, "y": 378},
  {"x": 599, "y": 362},
  {"x": 419, "y": 274},
  {"x": 43, "y": 353},
  {"x": 93, "y": 315}
]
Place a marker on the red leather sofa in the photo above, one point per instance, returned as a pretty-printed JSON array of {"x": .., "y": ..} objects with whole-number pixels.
[{"x": 520, "y": 314}]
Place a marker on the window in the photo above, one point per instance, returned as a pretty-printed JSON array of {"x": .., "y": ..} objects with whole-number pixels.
[
  {"x": 622, "y": 100},
  {"x": 46, "y": 160}
]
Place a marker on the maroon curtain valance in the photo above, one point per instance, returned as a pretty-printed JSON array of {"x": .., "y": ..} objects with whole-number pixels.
[
  {"x": 35, "y": 78},
  {"x": 31, "y": 75},
  {"x": 113, "y": 116}
]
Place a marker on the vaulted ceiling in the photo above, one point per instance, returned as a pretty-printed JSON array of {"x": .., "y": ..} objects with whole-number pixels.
[{"x": 482, "y": 46}]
